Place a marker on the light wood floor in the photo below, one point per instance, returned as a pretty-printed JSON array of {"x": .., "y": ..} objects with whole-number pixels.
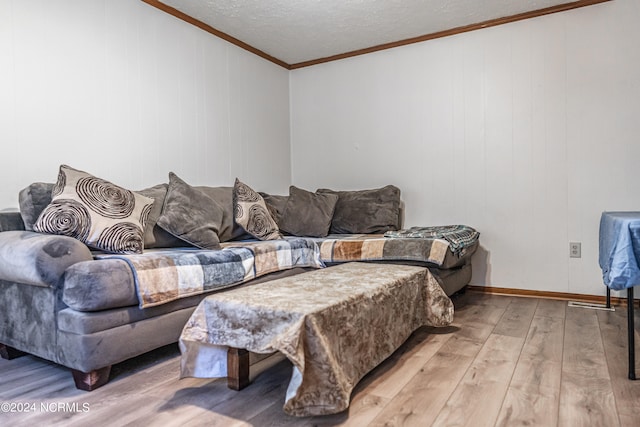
[{"x": 506, "y": 361}]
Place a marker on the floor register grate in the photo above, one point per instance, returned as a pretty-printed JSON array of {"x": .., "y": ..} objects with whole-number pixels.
[{"x": 591, "y": 305}]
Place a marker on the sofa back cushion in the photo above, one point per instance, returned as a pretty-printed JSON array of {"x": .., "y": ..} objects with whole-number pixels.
[
  {"x": 307, "y": 213},
  {"x": 275, "y": 205},
  {"x": 229, "y": 229},
  {"x": 32, "y": 201},
  {"x": 154, "y": 236},
  {"x": 366, "y": 211}
]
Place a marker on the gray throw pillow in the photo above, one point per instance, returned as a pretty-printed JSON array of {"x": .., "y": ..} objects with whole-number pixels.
[
  {"x": 190, "y": 215},
  {"x": 32, "y": 201},
  {"x": 251, "y": 213},
  {"x": 366, "y": 211},
  {"x": 96, "y": 212},
  {"x": 307, "y": 213}
]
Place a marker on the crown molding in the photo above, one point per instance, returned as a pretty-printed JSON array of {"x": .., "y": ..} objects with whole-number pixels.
[
  {"x": 209, "y": 29},
  {"x": 458, "y": 30},
  {"x": 446, "y": 33}
]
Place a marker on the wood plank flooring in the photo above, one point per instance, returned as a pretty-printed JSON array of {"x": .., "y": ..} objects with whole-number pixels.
[{"x": 505, "y": 361}]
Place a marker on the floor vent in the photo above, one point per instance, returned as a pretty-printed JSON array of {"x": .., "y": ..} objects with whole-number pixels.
[{"x": 591, "y": 305}]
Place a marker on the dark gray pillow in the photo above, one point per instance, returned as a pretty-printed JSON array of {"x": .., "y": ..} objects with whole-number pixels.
[
  {"x": 307, "y": 213},
  {"x": 366, "y": 211},
  {"x": 154, "y": 236},
  {"x": 10, "y": 220},
  {"x": 275, "y": 204},
  {"x": 32, "y": 201},
  {"x": 189, "y": 214},
  {"x": 229, "y": 230}
]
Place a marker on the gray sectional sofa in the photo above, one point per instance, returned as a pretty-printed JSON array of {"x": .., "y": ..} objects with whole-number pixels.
[{"x": 63, "y": 301}]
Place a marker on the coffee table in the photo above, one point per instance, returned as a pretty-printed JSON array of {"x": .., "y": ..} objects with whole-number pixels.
[{"x": 333, "y": 324}]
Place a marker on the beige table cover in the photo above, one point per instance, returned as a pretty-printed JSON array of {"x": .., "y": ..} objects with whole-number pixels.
[{"x": 334, "y": 325}]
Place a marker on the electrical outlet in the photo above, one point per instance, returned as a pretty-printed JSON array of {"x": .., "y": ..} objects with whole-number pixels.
[{"x": 575, "y": 249}]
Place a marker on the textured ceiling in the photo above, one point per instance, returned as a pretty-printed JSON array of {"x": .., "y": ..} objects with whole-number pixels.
[{"x": 296, "y": 31}]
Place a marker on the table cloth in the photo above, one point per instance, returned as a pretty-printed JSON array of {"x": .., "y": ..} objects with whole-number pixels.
[
  {"x": 334, "y": 325},
  {"x": 620, "y": 249},
  {"x": 619, "y": 255}
]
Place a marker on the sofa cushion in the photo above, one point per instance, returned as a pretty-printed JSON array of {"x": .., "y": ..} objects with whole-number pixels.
[
  {"x": 275, "y": 205},
  {"x": 32, "y": 201},
  {"x": 229, "y": 229},
  {"x": 251, "y": 213},
  {"x": 190, "y": 215},
  {"x": 38, "y": 259},
  {"x": 82, "y": 322},
  {"x": 366, "y": 211},
  {"x": 96, "y": 212},
  {"x": 307, "y": 213},
  {"x": 11, "y": 220},
  {"x": 155, "y": 236},
  {"x": 99, "y": 285}
]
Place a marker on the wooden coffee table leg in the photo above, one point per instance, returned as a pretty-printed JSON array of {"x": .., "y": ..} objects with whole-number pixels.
[{"x": 237, "y": 368}]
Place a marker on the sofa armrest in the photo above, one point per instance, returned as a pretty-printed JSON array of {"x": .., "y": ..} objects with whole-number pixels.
[
  {"x": 11, "y": 220},
  {"x": 38, "y": 259}
]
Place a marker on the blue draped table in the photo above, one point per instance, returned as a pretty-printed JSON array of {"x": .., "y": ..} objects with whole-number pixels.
[{"x": 620, "y": 263}]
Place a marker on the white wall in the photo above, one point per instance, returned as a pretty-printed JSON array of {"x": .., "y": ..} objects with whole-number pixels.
[
  {"x": 526, "y": 131},
  {"x": 129, "y": 93}
]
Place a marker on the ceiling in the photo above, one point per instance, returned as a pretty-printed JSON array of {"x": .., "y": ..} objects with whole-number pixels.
[{"x": 294, "y": 33}]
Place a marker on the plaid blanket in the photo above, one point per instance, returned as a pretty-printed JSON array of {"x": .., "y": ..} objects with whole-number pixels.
[
  {"x": 166, "y": 275},
  {"x": 376, "y": 247},
  {"x": 460, "y": 237}
]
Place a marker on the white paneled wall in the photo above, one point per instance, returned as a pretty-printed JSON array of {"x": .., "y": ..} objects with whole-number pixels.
[
  {"x": 526, "y": 131},
  {"x": 129, "y": 93}
]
